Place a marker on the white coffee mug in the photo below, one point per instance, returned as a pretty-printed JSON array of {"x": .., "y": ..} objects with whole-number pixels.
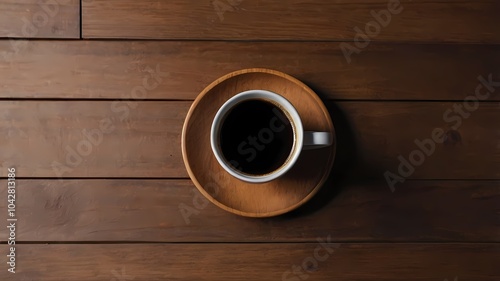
[{"x": 301, "y": 139}]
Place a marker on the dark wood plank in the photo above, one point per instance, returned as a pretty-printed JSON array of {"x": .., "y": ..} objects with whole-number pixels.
[
  {"x": 387, "y": 135},
  {"x": 39, "y": 19},
  {"x": 142, "y": 139},
  {"x": 345, "y": 262},
  {"x": 174, "y": 211},
  {"x": 97, "y": 69},
  {"x": 444, "y": 21},
  {"x": 93, "y": 139}
]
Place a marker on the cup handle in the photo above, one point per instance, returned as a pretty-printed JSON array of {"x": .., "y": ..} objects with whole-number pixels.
[{"x": 313, "y": 140}]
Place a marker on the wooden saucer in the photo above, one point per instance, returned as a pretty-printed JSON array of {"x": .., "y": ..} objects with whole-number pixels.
[{"x": 246, "y": 199}]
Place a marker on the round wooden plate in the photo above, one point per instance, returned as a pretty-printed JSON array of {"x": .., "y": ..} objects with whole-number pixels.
[{"x": 246, "y": 199}]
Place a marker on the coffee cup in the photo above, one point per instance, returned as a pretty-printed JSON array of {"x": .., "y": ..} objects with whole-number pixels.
[{"x": 257, "y": 136}]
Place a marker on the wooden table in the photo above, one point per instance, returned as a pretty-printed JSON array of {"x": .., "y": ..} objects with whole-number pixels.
[{"x": 92, "y": 106}]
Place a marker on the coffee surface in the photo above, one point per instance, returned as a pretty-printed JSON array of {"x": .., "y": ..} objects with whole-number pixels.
[{"x": 256, "y": 137}]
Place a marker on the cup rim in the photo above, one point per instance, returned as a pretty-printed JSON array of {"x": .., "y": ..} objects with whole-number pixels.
[{"x": 291, "y": 113}]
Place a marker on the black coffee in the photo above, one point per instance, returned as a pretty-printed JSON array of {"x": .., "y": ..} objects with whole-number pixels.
[{"x": 256, "y": 137}]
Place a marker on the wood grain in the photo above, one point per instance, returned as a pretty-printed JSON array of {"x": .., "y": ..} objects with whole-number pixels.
[
  {"x": 86, "y": 139},
  {"x": 108, "y": 69},
  {"x": 374, "y": 262},
  {"x": 450, "y": 21},
  {"x": 142, "y": 139},
  {"x": 174, "y": 211},
  {"x": 105, "y": 117},
  {"x": 39, "y": 19}
]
